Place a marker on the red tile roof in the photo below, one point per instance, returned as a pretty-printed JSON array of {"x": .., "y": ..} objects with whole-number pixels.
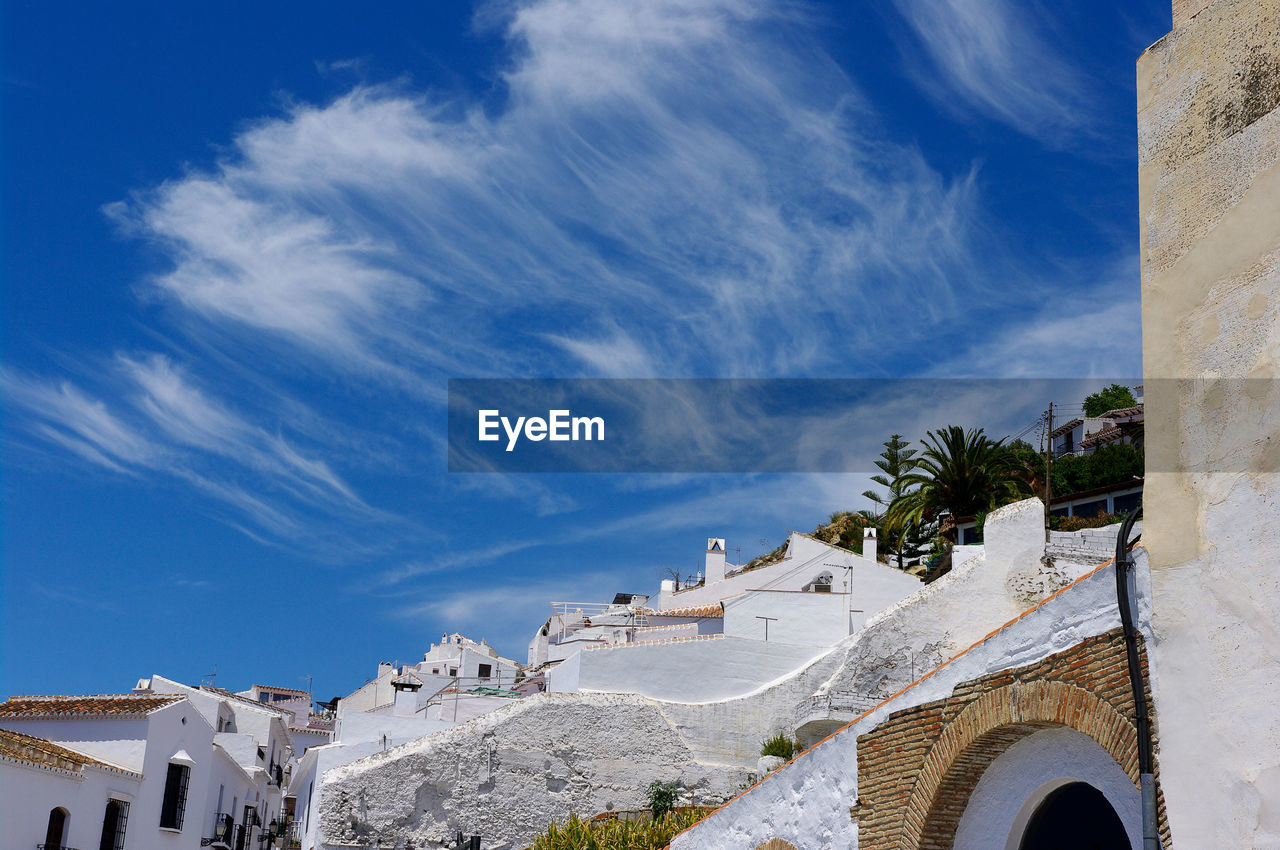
[
  {"x": 92, "y": 705},
  {"x": 1106, "y": 435},
  {"x": 1122, "y": 411},
  {"x": 714, "y": 609},
  {"x": 39, "y": 751},
  {"x": 1065, "y": 427}
]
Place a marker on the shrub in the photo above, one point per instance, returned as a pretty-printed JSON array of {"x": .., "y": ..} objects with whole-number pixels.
[
  {"x": 1075, "y": 523},
  {"x": 612, "y": 834},
  {"x": 779, "y": 745},
  {"x": 662, "y": 798}
]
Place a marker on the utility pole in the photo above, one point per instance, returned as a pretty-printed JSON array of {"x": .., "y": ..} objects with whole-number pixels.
[{"x": 1048, "y": 471}]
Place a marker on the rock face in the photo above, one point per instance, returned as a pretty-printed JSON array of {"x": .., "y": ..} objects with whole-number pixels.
[{"x": 508, "y": 774}]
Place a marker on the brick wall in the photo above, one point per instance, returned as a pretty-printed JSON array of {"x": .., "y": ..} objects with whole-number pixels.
[{"x": 917, "y": 770}]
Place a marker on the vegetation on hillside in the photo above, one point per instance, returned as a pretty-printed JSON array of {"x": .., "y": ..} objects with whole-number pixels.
[{"x": 616, "y": 834}]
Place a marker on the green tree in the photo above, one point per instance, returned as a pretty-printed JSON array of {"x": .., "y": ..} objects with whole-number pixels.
[
  {"x": 960, "y": 472},
  {"x": 1113, "y": 397},
  {"x": 897, "y": 459}
]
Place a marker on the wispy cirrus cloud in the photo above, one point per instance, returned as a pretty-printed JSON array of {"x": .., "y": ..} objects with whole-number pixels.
[
  {"x": 151, "y": 420},
  {"x": 664, "y": 183},
  {"x": 997, "y": 60},
  {"x": 659, "y": 188}
]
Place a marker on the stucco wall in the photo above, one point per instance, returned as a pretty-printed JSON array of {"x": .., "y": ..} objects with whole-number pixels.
[{"x": 1209, "y": 178}]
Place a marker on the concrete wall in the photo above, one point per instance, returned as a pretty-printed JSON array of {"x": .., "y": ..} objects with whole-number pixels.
[{"x": 1209, "y": 179}]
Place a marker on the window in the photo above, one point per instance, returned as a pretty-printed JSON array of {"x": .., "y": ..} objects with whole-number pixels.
[
  {"x": 453, "y": 671},
  {"x": 57, "y": 827},
  {"x": 174, "y": 806},
  {"x": 113, "y": 824},
  {"x": 486, "y": 670}
]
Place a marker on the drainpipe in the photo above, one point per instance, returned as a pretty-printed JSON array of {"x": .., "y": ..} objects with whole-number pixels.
[{"x": 1146, "y": 770}]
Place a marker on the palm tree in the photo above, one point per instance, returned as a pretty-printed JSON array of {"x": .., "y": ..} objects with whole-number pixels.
[
  {"x": 960, "y": 472},
  {"x": 895, "y": 461}
]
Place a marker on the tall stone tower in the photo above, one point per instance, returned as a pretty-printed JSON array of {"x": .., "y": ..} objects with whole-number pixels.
[{"x": 1209, "y": 176}]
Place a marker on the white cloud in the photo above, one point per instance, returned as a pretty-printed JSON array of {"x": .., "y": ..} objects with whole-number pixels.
[
  {"x": 667, "y": 187},
  {"x": 992, "y": 55}
]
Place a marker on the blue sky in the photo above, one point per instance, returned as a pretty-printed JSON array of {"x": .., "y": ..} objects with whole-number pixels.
[{"x": 246, "y": 246}]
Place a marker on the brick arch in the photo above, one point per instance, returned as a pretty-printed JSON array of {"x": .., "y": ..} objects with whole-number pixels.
[{"x": 986, "y": 728}]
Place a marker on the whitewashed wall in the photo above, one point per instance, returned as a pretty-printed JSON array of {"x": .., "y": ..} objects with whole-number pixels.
[
  {"x": 31, "y": 792},
  {"x": 795, "y": 617},
  {"x": 691, "y": 671},
  {"x": 807, "y": 801}
]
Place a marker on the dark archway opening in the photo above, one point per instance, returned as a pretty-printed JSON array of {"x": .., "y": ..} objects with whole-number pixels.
[
  {"x": 53, "y": 835},
  {"x": 1075, "y": 817}
]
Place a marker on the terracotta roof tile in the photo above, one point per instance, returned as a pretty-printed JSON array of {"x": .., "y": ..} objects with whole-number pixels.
[
  {"x": 92, "y": 705},
  {"x": 714, "y": 609},
  {"x": 1065, "y": 427},
  {"x": 1106, "y": 435},
  {"x": 1122, "y": 411},
  {"x": 43, "y": 752}
]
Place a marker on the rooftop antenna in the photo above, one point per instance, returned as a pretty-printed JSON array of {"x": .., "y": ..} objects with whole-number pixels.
[
  {"x": 212, "y": 677},
  {"x": 307, "y": 678}
]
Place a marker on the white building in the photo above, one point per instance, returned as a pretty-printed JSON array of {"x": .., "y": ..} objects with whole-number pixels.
[
  {"x": 123, "y": 770},
  {"x": 456, "y": 662},
  {"x": 728, "y": 634},
  {"x": 306, "y": 727}
]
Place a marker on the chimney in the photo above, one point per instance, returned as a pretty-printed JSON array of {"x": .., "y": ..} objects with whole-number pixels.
[
  {"x": 715, "y": 559},
  {"x": 869, "y": 542}
]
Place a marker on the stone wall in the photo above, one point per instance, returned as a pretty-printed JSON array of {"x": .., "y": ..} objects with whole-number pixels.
[
  {"x": 1209, "y": 182},
  {"x": 917, "y": 770}
]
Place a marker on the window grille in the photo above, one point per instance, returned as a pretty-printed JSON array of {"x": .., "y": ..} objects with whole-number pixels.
[
  {"x": 122, "y": 819},
  {"x": 173, "y": 809}
]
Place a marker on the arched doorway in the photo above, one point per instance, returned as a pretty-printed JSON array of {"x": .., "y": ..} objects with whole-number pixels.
[
  {"x": 57, "y": 828},
  {"x": 1076, "y": 816}
]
